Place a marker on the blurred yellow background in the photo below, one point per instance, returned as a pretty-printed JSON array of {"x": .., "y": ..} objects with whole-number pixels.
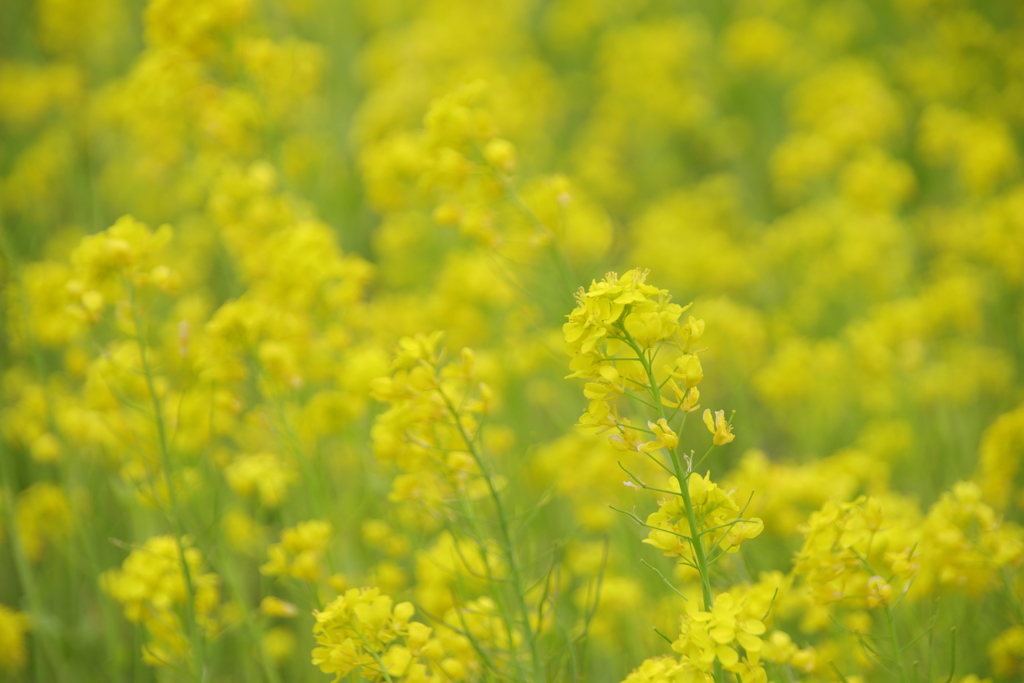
[{"x": 223, "y": 222}]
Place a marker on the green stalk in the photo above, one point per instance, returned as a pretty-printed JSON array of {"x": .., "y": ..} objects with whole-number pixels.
[
  {"x": 696, "y": 538},
  {"x": 513, "y": 562},
  {"x": 896, "y": 650},
  {"x": 890, "y": 623},
  {"x": 195, "y": 636},
  {"x": 499, "y": 596}
]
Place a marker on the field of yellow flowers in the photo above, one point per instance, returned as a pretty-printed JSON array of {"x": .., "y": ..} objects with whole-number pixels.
[{"x": 537, "y": 341}]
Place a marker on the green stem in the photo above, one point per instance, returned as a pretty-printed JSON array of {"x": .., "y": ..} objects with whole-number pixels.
[
  {"x": 513, "y": 562},
  {"x": 683, "y": 476},
  {"x": 897, "y": 651},
  {"x": 479, "y": 539},
  {"x": 890, "y": 622},
  {"x": 175, "y": 517},
  {"x": 256, "y": 631}
]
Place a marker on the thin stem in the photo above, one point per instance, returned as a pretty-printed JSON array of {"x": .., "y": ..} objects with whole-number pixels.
[
  {"x": 478, "y": 539},
  {"x": 635, "y": 428},
  {"x": 891, "y": 623},
  {"x": 667, "y": 582},
  {"x": 727, "y": 524},
  {"x": 641, "y": 484},
  {"x": 637, "y": 398},
  {"x": 952, "y": 655},
  {"x": 703, "y": 457},
  {"x": 697, "y": 543},
  {"x": 659, "y": 463},
  {"x": 506, "y": 534},
  {"x": 839, "y": 673},
  {"x": 557, "y": 255},
  {"x": 897, "y": 651},
  {"x": 373, "y": 653},
  {"x": 175, "y": 517},
  {"x": 636, "y": 518}
]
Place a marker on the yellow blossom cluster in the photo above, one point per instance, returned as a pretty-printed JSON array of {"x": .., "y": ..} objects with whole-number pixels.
[
  {"x": 263, "y": 474},
  {"x": 434, "y": 416},
  {"x": 840, "y": 542},
  {"x": 363, "y": 631},
  {"x": 300, "y": 553},
  {"x": 626, "y": 315},
  {"x": 357, "y": 632},
  {"x": 154, "y": 582},
  {"x": 707, "y": 636},
  {"x": 717, "y": 512}
]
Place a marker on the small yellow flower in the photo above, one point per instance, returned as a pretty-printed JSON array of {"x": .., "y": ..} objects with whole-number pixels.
[
  {"x": 719, "y": 426},
  {"x": 664, "y": 437},
  {"x": 685, "y": 400},
  {"x": 689, "y": 370},
  {"x": 879, "y": 592}
]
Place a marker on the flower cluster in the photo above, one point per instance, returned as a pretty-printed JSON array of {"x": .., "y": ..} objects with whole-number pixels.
[
  {"x": 123, "y": 255},
  {"x": 706, "y": 636},
  {"x": 433, "y": 418},
  {"x": 301, "y": 551},
  {"x": 152, "y": 585},
  {"x": 263, "y": 474},
  {"x": 717, "y": 511},
  {"x": 841, "y": 542},
  {"x": 619, "y": 316},
  {"x": 365, "y": 632}
]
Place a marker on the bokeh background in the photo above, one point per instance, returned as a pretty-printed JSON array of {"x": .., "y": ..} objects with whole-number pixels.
[{"x": 835, "y": 185}]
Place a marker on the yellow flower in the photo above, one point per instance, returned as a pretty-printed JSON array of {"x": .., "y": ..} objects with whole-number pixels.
[
  {"x": 500, "y": 154},
  {"x": 709, "y": 635},
  {"x": 879, "y": 592},
  {"x": 263, "y": 473},
  {"x": 719, "y": 426},
  {"x": 362, "y": 629},
  {"x": 664, "y": 437},
  {"x": 685, "y": 400},
  {"x": 689, "y": 370},
  {"x": 150, "y": 584},
  {"x": 300, "y": 552}
]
